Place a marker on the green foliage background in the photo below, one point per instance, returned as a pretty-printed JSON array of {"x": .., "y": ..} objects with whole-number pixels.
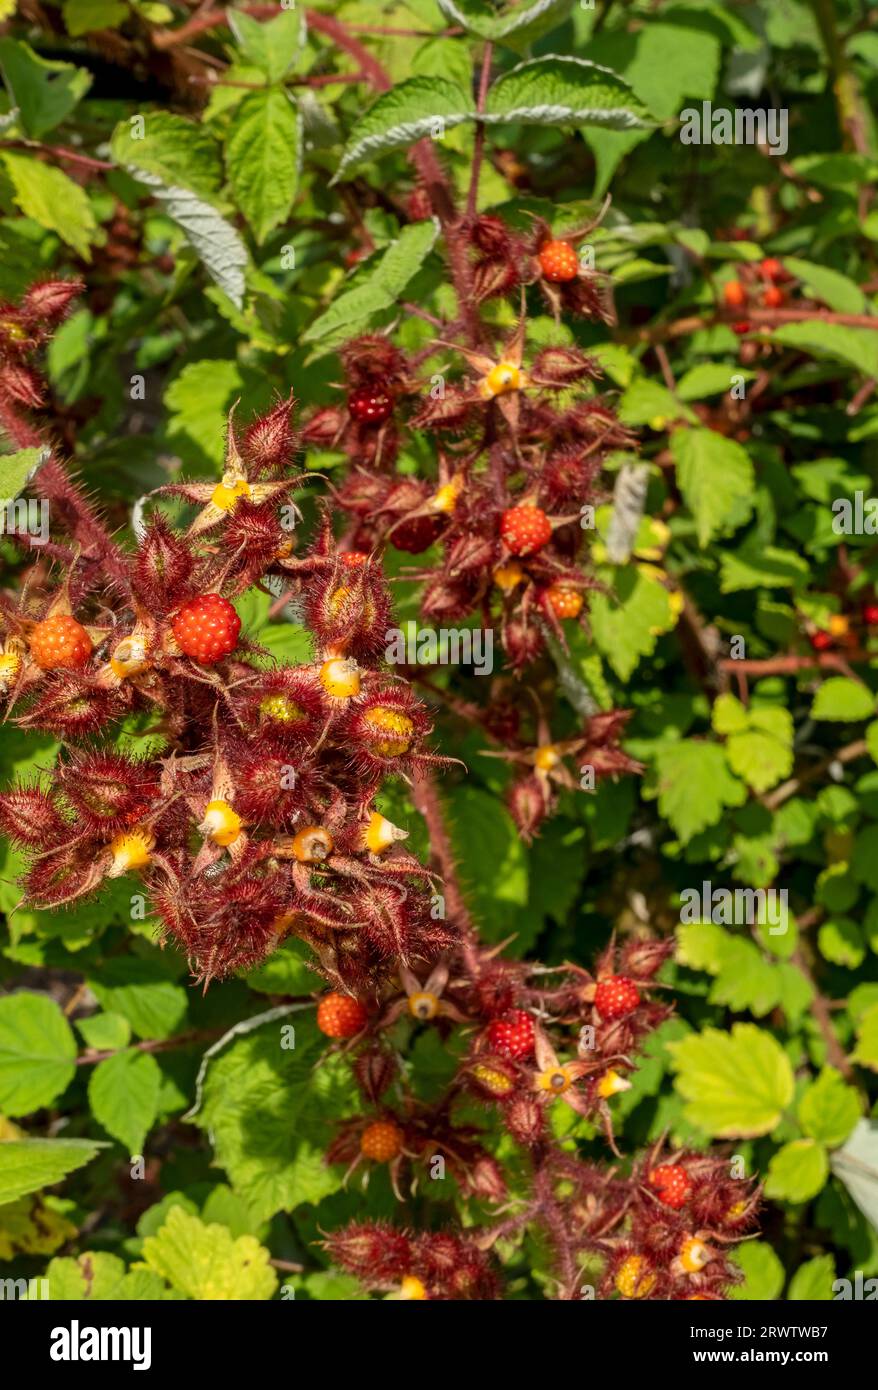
[{"x": 216, "y": 252}]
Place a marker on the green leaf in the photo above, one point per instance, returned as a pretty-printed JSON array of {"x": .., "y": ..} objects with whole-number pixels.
[
  {"x": 271, "y": 1111},
  {"x": 709, "y": 379},
  {"x": 628, "y": 622},
  {"x": 262, "y": 157},
  {"x": 85, "y": 16},
  {"x": 175, "y": 151},
  {"x": 96, "y": 1276},
  {"x": 407, "y": 113},
  {"x": 872, "y": 740},
  {"x": 829, "y": 1109},
  {"x": 763, "y": 1272},
  {"x": 716, "y": 479},
  {"x": 736, "y": 1084},
  {"x": 37, "y": 1052},
  {"x": 53, "y": 200},
  {"x": 820, "y": 282},
  {"x": 103, "y": 1031},
  {"x": 206, "y": 1263},
  {"x": 729, "y": 715},
  {"x": 842, "y": 699},
  {"x": 380, "y": 289},
  {"x": 141, "y": 991},
  {"x": 841, "y": 941},
  {"x": 27, "y": 1165},
  {"x": 866, "y": 1050},
  {"x": 271, "y": 45},
  {"x": 215, "y": 241},
  {"x": 759, "y": 758},
  {"x": 17, "y": 469},
  {"x": 286, "y": 971},
  {"x": 123, "y": 1093},
  {"x": 856, "y": 348},
  {"x": 756, "y": 566},
  {"x": 812, "y": 1281},
  {"x": 44, "y": 91},
  {"x": 199, "y": 400},
  {"x": 797, "y": 1171},
  {"x": 694, "y": 785},
  {"x": 517, "y": 27},
  {"x": 565, "y": 92},
  {"x": 491, "y": 857}
]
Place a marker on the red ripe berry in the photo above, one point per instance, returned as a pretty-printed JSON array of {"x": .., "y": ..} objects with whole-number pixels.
[
  {"x": 672, "y": 1184},
  {"x": 369, "y": 405},
  {"x": 513, "y": 1034},
  {"x": 771, "y": 269},
  {"x": 615, "y": 997},
  {"x": 525, "y": 529},
  {"x": 207, "y": 628},
  {"x": 734, "y": 294},
  {"x": 870, "y": 614},
  {"x": 558, "y": 261},
  {"x": 821, "y": 641},
  {"x": 60, "y": 641},
  {"x": 773, "y": 297},
  {"x": 741, "y": 328},
  {"x": 340, "y": 1016}
]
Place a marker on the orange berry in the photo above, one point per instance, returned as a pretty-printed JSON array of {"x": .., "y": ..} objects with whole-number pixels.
[
  {"x": 734, "y": 294},
  {"x": 564, "y": 601},
  {"x": 381, "y": 1141},
  {"x": 558, "y": 261},
  {"x": 60, "y": 641},
  {"x": 340, "y": 1016}
]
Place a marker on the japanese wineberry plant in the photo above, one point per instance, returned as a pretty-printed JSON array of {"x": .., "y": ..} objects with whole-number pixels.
[{"x": 437, "y": 652}]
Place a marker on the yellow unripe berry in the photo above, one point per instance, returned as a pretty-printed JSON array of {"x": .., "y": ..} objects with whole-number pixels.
[
  {"x": 555, "y": 1080},
  {"x": 226, "y": 496},
  {"x": 839, "y": 625},
  {"x": 340, "y": 678},
  {"x": 411, "y": 1287},
  {"x": 10, "y": 665},
  {"x": 221, "y": 824},
  {"x": 379, "y": 833},
  {"x": 445, "y": 498},
  {"x": 501, "y": 379},
  {"x": 694, "y": 1255},
  {"x": 129, "y": 657},
  {"x": 311, "y": 844},
  {"x": 610, "y": 1084},
  {"x": 281, "y": 708},
  {"x": 131, "y": 849},
  {"x": 634, "y": 1279},
  {"x": 508, "y": 577},
  {"x": 547, "y": 757},
  {"x": 423, "y": 1006},
  {"x": 397, "y": 727}
]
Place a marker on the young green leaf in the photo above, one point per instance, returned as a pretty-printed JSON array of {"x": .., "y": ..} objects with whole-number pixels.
[
  {"x": 270, "y": 45},
  {"x": 263, "y": 151},
  {"x": 53, "y": 200}
]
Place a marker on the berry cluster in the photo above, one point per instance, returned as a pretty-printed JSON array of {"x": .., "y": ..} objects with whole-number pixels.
[{"x": 258, "y": 817}]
